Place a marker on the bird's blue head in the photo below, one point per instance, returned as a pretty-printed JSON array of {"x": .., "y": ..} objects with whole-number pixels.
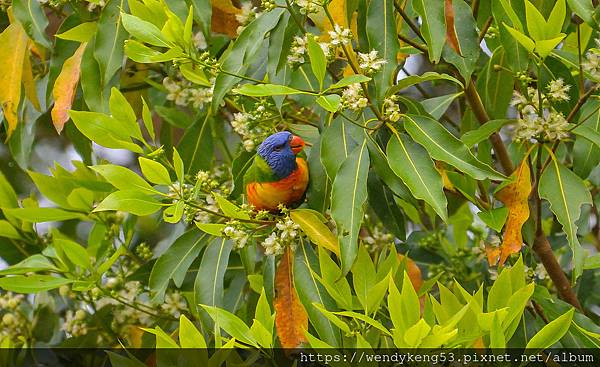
[{"x": 279, "y": 151}]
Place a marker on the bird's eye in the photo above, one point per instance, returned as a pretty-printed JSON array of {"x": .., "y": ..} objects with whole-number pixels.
[{"x": 278, "y": 148}]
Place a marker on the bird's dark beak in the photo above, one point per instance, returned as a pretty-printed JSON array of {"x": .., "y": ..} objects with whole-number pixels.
[{"x": 297, "y": 144}]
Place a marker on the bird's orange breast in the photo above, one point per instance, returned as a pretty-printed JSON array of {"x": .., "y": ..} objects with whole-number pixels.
[{"x": 287, "y": 191}]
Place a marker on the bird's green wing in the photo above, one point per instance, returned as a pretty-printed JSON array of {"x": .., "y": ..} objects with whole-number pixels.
[{"x": 259, "y": 171}]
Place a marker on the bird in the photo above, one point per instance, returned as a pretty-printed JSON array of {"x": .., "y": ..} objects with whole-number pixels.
[{"x": 277, "y": 175}]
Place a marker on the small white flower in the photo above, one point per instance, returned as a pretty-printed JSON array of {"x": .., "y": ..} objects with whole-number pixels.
[
  {"x": 558, "y": 90},
  {"x": 369, "y": 63},
  {"x": 353, "y": 98},
  {"x": 307, "y": 6},
  {"x": 391, "y": 110},
  {"x": 340, "y": 36}
]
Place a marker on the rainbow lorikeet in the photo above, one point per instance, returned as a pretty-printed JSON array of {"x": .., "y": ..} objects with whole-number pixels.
[{"x": 277, "y": 175}]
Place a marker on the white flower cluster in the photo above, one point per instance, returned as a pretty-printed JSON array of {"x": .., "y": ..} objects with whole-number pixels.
[
  {"x": 391, "y": 109},
  {"x": 308, "y": 6},
  {"x": 551, "y": 125},
  {"x": 558, "y": 90},
  {"x": 538, "y": 272},
  {"x": 378, "y": 239},
  {"x": 340, "y": 36},
  {"x": 592, "y": 61},
  {"x": 13, "y": 323},
  {"x": 93, "y": 4},
  {"x": 369, "y": 63},
  {"x": 237, "y": 233},
  {"x": 174, "y": 304},
  {"x": 246, "y": 16},
  {"x": 298, "y": 50},
  {"x": 183, "y": 93},
  {"x": 353, "y": 98},
  {"x": 285, "y": 233},
  {"x": 209, "y": 203},
  {"x": 75, "y": 324},
  {"x": 123, "y": 315},
  {"x": 246, "y": 125}
]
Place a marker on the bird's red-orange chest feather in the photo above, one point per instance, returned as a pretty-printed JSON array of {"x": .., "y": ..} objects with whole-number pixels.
[{"x": 287, "y": 191}]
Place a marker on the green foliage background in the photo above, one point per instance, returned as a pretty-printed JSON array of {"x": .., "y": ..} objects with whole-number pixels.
[{"x": 131, "y": 225}]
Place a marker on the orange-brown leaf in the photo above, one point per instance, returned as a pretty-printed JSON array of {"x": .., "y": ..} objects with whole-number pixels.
[
  {"x": 515, "y": 196},
  {"x": 451, "y": 36},
  {"x": 291, "y": 320},
  {"x": 413, "y": 271},
  {"x": 13, "y": 45},
  {"x": 223, "y": 18},
  {"x": 65, "y": 87}
]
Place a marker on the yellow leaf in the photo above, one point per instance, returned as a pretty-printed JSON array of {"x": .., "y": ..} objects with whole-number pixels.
[
  {"x": 223, "y": 18},
  {"x": 440, "y": 167},
  {"x": 291, "y": 320},
  {"x": 134, "y": 77},
  {"x": 13, "y": 45},
  {"x": 515, "y": 196},
  {"x": 316, "y": 231},
  {"x": 65, "y": 87},
  {"x": 29, "y": 83}
]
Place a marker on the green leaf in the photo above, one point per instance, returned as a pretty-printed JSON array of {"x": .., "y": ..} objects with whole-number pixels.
[
  {"x": 147, "y": 119},
  {"x": 536, "y": 24},
  {"x": 175, "y": 262},
  {"x": 196, "y": 146},
  {"x": 312, "y": 225},
  {"x": 190, "y": 337},
  {"x": 566, "y": 193},
  {"x": 262, "y": 90},
  {"x": 494, "y": 85},
  {"x": 330, "y": 102},
  {"x": 556, "y": 18},
  {"x": 141, "y": 53},
  {"x": 552, "y": 332},
  {"x": 592, "y": 262},
  {"x": 76, "y": 253},
  {"x": 437, "y": 106},
  {"x": 110, "y": 37},
  {"x": 336, "y": 145},
  {"x": 543, "y": 48},
  {"x": 415, "y": 334},
  {"x": 433, "y": 26},
  {"x": 40, "y": 215},
  {"x": 8, "y": 197},
  {"x": 416, "y": 169},
  {"x": 104, "y": 130},
  {"x": 348, "y": 196},
  {"x": 8, "y": 231},
  {"x": 121, "y": 110},
  {"x": 443, "y": 146},
  {"x": 473, "y": 137},
  {"x": 382, "y": 36},
  {"x": 32, "y": 283},
  {"x": 370, "y": 321},
  {"x": 468, "y": 39},
  {"x": 229, "y": 208},
  {"x": 80, "y": 33},
  {"x": 135, "y": 202},
  {"x": 33, "y": 263},
  {"x": 381, "y": 200},
  {"x": 586, "y": 153},
  {"x": 416, "y": 79},
  {"x": 154, "y": 171},
  {"x": 163, "y": 340},
  {"x": 363, "y": 278},
  {"x": 33, "y": 20},
  {"x": 318, "y": 61},
  {"x": 178, "y": 166},
  {"x": 232, "y": 324},
  {"x": 584, "y": 9},
  {"x": 208, "y": 287},
  {"x": 144, "y": 31},
  {"x": 350, "y": 79},
  {"x": 237, "y": 58},
  {"x": 214, "y": 229},
  {"x": 311, "y": 291},
  {"x": 521, "y": 38},
  {"x": 494, "y": 218},
  {"x": 123, "y": 178}
]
